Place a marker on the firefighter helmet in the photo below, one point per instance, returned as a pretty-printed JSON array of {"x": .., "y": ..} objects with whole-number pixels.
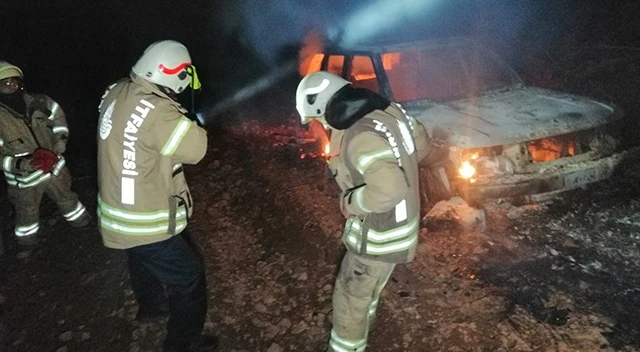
[
  {"x": 8, "y": 70},
  {"x": 314, "y": 92},
  {"x": 167, "y": 63}
]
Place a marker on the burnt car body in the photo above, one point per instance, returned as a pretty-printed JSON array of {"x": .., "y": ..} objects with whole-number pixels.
[{"x": 504, "y": 139}]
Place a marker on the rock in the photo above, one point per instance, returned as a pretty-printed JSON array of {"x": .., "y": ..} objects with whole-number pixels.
[
  {"x": 284, "y": 325},
  {"x": 302, "y": 277},
  {"x": 66, "y": 336},
  {"x": 275, "y": 348},
  {"x": 456, "y": 209},
  {"x": 260, "y": 308},
  {"x": 62, "y": 349},
  {"x": 85, "y": 336},
  {"x": 300, "y": 327}
]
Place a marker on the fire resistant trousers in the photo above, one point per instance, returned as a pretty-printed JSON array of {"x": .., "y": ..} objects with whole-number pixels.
[
  {"x": 355, "y": 300},
  {"x": 176, "y": 264},
  {"x": 26, "y": 202}
]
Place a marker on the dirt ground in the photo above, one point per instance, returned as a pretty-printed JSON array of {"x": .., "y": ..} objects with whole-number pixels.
[{"x": 558, "y": 276}]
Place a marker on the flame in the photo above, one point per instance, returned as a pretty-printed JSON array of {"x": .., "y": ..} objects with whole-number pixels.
[
  {"x": 327, "y": 149},
  {"x": 466, "y": 170},
  {"x": 551, "y": 149}
]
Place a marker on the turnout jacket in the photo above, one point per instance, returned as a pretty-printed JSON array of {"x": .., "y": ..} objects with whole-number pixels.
[
  {"x": 374, "y": 159},
  {"x": 143, "y": 140},
  {"x": 43, "y": 125}
]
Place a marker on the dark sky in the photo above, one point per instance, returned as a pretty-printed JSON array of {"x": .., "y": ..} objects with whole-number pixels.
[{"x": 72, "y": 49}]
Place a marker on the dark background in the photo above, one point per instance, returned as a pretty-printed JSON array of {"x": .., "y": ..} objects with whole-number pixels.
[{"x": 72, "y": 49}]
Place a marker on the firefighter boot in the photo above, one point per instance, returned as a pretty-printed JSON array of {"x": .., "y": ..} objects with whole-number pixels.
[{"x": 82, "y": 221}]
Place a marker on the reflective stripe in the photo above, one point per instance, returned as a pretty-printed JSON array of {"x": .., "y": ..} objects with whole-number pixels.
[
  {"x": 138, "y": 223},
  {"x": 6, "y": 163},
  {"x": 1, "y": 142},
  {"x": 60, "y": 129},
  {"x": 401, "y": 211},
  {"x": 30, "y": 177},
  {"x": 128, "y": 190},
  {"x": 137, "y": 216},
  {"x": 391, "y": 248},
  {"x": 373, "y": 307},
  {"x": 391, "y": 235},
  {"x": 59, "y": 166},
  {"x": 26, "y": 230},
  {"x": 75, "y": 213},
  {"x": 54, "y": 110},
  {"x": 343, "y": 345},
  {"x": 366, "y": 160},
  {"x": 176, "y": 166},
  {"x": 176, "y": 137},
  {"x": 22, "y": 183}
]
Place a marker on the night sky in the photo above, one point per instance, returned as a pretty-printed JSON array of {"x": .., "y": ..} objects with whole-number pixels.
[{"x": 72, "y": 49}]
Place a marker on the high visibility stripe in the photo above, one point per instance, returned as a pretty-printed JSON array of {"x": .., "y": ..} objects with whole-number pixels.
[
  {"x": 401, "y": 211},
  {"x": 26, "y": 230},
  {"x": 373, "y": 307},
  {"x": 31, "y": 177},
  {"x": 75, "y": 213},
  {"x": 176, "y": 166},
  {"x": 54, "y": 110},
  {"x": 135, "y": 216},
  {"x": 1, "y": 142},
  {"x": 391, "y": 248},
  {"x": 365, "y": 160},
  {"x": 142, "y": 229},
  {"x": 60, "y": 129},
  {"x": 391, "y": 235},
  {"x": 7, "y": 162},
  {"x": 176, "y": 137},
  {"x": 21, "y": 183},
  {"x": 343, "y": 345},
  {"x": 128, "y": 190},
  {"x": 59, "y": 165}
]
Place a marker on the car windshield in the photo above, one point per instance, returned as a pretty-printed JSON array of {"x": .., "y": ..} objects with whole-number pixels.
[{"x": 444, "y": 73}]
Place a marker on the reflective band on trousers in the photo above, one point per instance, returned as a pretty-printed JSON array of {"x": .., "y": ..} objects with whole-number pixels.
[
  {"x": 75, "y": 213},
  {"x": 138, "y": 223},
  {"x": 339, "y": 344},
  {"x": 176, "y": 137},
  {"x": 26, "y": 230}
]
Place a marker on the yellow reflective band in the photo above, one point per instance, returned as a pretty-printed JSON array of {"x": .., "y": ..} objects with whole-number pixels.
[
  {"x": 195, "y": 81},
  {"x": 391, "y": 248},
  {"x": 26, "y": 230},
  {"x": 34, "y": 183},
  {"x": 75, "y": 213},
  {"x": 367, "y": 159},
  {"x": 6, "y": 163},
  {"x": 60, "y": 129},
  {"x": 386, "y": 236},
  {"x": 136, "y": 216},
  {"x": 54, "y": 110},
  {"x": 348, "y": 345},
  {"x": 176, "y": 137},
  {"x": 58, "y": 167},
  {"x": 31, "y": 176}
]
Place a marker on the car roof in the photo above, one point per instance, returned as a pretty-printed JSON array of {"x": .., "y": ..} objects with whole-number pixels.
[{"x": 383, "y": 47}]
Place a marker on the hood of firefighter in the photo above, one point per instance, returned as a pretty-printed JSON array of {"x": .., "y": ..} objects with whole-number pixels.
[
  {"x": 350, "y": 104},
  {"x": 514, "y": 116}
]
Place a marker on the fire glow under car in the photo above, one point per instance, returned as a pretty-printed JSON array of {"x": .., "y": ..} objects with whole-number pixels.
[{"x": 505, "y": 139}]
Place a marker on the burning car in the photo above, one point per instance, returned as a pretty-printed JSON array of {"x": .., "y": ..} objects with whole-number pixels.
[{"x": 503, "y": 139}]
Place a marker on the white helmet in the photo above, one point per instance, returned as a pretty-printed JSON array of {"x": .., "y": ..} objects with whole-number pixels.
[
  {"x": 8, "y": 70},
  {"x": 167, "y": 63},
  {"x": 314, "y": 92}
]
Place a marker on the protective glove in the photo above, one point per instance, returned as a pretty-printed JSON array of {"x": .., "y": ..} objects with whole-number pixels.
[{"x": 44, "y": 159}]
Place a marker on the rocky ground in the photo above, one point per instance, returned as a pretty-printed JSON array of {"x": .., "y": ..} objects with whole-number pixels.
[{"x": 558, "y": 276}]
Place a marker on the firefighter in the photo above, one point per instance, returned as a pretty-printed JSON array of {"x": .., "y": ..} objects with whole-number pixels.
[
  {"x": 144, "y": 203},
  {"x": 375, "y": 149},
  {"x": 33, "y": 139}
]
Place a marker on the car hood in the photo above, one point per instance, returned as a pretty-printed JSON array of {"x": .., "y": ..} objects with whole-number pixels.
[{"x": 513, "y": 116}]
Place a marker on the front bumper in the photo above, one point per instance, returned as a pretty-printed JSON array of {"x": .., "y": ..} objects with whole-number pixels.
[{"x": 537, "y": 187}]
